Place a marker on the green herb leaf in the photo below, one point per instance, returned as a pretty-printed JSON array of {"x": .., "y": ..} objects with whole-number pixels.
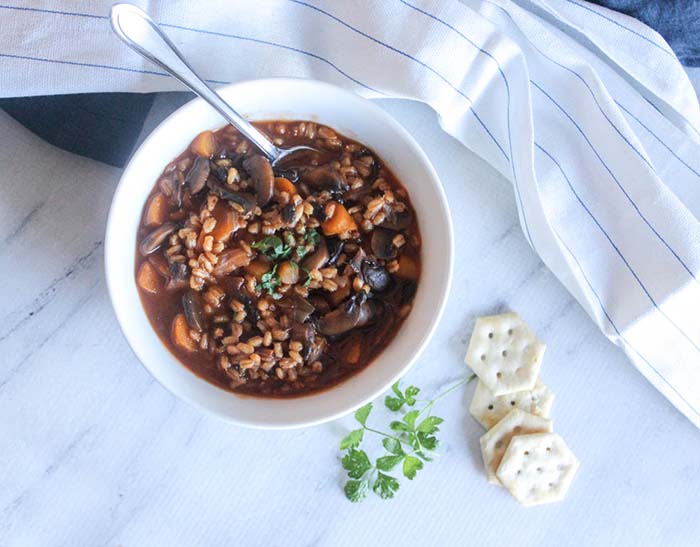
[
  {"x": 312, "y": 236},
  {"x": 430, "y": 424},
  {"x": 356, "y": 490},
  {"x": 411, "y": 392},
  {"x": 270, "y": 281},
  {"x": 429, "y": 442},
  {"x": 308, "y": 278},
  {"x": 387, "y": 463},
  {"x": 410, "y": 418},
  {"x": 393, "y": 446},
  {"x": 356, "y": 463},
  {"x": 385, "y": 486},
  {"x": 362, "y": 413},
  {"x": 411, "y": 466},
  {"x": 395, "y": 388},
  {"x": 273, "y": 247},
  {"x": 352, "y": 439},
  {"x": 423, "y": 456},
  {"x": 289, "y": 239},
  {"x": 399, "y": 426},
  {"x": 301, "y": 252},
  {"x": 393, "y": 403}
]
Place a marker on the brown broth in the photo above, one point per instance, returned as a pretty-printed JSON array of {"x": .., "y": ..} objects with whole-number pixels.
[{"x": 394, "y": 302}]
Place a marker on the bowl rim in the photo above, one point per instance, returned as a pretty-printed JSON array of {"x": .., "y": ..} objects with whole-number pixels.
[{"x": 383, "y": 117}]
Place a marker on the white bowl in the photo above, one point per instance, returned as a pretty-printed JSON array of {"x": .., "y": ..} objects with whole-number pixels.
[{"x": 288, "y": 99}]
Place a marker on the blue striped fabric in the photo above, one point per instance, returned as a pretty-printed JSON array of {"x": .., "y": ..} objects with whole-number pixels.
[{"x": 588, "y": 114}]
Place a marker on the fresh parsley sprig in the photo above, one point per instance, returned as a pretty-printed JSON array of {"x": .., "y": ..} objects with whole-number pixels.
[{"x": 411, "y": 442}]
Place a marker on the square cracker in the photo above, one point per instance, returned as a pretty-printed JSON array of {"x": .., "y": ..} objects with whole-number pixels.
[
  {"x": 537, "y": 468},
  {"x": 504, "y": 353},
  {"x": 488, "y": 408},
  {"x": 495, "y": 441}
]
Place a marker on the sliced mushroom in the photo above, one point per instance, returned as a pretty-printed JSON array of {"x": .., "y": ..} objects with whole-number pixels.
[
  {"x": 196, "y": 177},
  {"x": 288, "y": 212},
  {"x": 291, "y": 174},
  {"x": 356, "y": 312},
  {"x": 382, "y": 244},
  {"x": 260, "y": 170},
  {"x": 179, "y": 277},
  {"x": 357, "y": 260},
  {"x": 194, "y": 311},
  {"x": 317, "y": 259},
  {"x": 178, "y": 183},
  {"x": 229, "y": 261},
  {"x": 397, "y": 220},
  {"x": 335, "y": 247},
  {"x": 302, "y": 332},
  {"x": 377, "y": 277},
  {"x": 298, "y": 306},
  {"x": 251, "y": 310},
  {"x": 316, "y": 349},
  {"x": 324, "y": 178},
  {"x": 357, "y": 193},
  {"x": 244, "y": 199},
  {"x": 155, "y": 239}
]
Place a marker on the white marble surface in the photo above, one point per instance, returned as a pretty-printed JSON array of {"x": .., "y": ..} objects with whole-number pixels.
[{"x": 94, "y": 452}]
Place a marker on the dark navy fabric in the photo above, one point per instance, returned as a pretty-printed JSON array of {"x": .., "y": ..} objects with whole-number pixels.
[
  {"x": 105, "y": 126},
  {"x": 101, "y": 126},
  {"x": 678, "y": 21}
]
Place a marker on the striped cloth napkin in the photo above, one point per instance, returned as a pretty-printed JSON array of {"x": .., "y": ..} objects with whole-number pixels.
[{"x": 587, "y": 112}]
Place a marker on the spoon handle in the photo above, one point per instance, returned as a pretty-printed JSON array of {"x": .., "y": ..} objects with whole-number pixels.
[{"x": 137, "y": 30}]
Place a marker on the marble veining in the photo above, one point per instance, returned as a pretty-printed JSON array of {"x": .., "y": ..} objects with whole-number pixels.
[{"x": 94, "y": 452}]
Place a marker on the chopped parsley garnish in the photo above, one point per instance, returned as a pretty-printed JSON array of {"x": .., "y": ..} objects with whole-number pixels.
[
  {"x": 312, "y": 237},
  {"x": 270, "y": 282},
  {"x": 273, "y": 247}
]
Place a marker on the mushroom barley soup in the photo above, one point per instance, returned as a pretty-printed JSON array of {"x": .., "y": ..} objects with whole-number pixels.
[{"x": 277, "y": 281}]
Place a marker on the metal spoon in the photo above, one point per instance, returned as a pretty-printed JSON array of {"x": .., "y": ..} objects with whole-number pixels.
[{"x": 137, "y": 30}]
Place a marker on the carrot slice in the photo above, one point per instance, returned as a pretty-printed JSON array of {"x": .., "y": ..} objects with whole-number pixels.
[
  {"x": 285, "y": 185},
  {"x": 352, "y": 357},
  {"x": 340, "y": 222},
  {"x": 148, "y": 278},
  {"x": 156, "y": 210},
  {"x": 408, "y": 268},
  {"x": 204, "y": 144},
  {"x": 226, "y": 222},
  {"x": 288, "y": 272},
  {"x": 180, "y": 334},
  {"x": 258, "y": 268}
]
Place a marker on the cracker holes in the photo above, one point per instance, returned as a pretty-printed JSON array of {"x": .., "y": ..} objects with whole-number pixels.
[
  {"x": 512, "y": 403},
  {"x": 483, "y": 357},
  {"x": 504, "y": 353},
  {"x": 490, "y": 407},
  {"x": 510, "y": 332},
  {"x": 498, "y": 375},
  {"x": 549, "y": 449},
  {"x": 527, "y": 452},
  {"x": 540, "y": 470},
  {"x": 490, "y": 335},
  {"x": 551, "y": 485}
]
